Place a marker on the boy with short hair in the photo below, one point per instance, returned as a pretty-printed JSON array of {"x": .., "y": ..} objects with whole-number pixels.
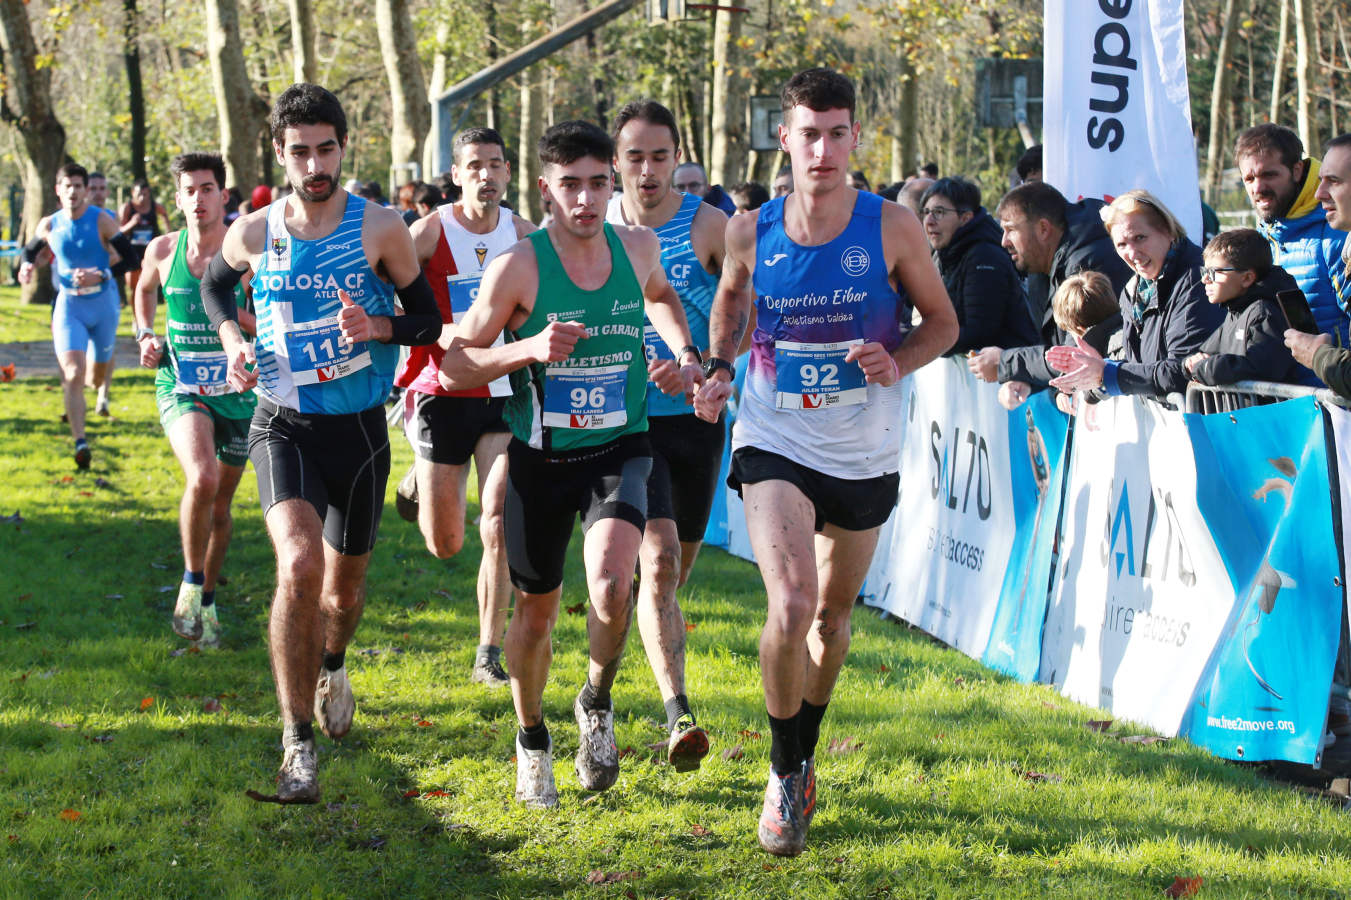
[
  {"x": 1249, "y": 344},
  {"x": 1084, "y": 306}
]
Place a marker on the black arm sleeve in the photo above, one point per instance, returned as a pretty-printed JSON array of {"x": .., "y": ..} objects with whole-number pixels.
[
  {"x": 32, "y": 249},
  {"x": 129, "y": 257},
  {"x": 218, "y": 291},
  {"x": 421, "y": 321}
]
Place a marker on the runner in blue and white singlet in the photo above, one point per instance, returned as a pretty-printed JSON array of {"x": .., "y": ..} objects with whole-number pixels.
[
  {"x": 302, "y": 363},
  {"x": 812, "y": 304}
]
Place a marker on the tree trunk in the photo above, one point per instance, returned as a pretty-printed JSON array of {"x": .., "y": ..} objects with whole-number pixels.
[
  {"x": 1219, "y": 102},
  {"x": 435, "y": 89},
  {"x": 909, "y": 118},
  {"x": 302, "y": 41},
  {"x": 242, "y": 114},
  {"x": 410, "y": 112},
  {"x": 897, "y": 160},
  {"x": 727, "y": 159},
  {"x": 1278, "y": 66},
  {"x": 532, "y": 126},
  {"x": 1305, "y": 75},
  {"x": 491, "y": 104},
  {"x": 131, "y": 55},
  {"x": 27, "y": 105}
]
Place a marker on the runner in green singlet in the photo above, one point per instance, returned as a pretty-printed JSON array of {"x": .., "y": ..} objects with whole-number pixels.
[
  {"x": 571, "y": 298},
  {"x": 206, "y": 421}
]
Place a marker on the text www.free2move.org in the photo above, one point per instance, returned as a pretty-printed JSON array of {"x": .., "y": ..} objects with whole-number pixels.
[{"x": 1229, "y": 724}]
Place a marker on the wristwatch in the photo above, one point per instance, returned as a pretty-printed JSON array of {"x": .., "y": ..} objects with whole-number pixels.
[
  {"x": 713, "y": 364},
  {"x": 699, "y": 357},
  {"x": 143, "y": 332}
]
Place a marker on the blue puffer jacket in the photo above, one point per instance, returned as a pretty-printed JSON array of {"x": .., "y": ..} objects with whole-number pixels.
[{"x": 1306, "y": 246}]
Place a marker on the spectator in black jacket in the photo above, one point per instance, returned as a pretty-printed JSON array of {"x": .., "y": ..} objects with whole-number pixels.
[
  {"x": 1049, "y": 239},
  {"x": 1164, "y": 312},
  {"x": 1249, "y": 344},
  {"x": 980, "y": 278}
]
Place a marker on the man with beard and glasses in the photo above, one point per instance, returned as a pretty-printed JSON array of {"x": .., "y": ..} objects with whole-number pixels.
[
  {"x": 206, "y": 421},
  {"x": 1281, "y": 183},
  {"x": 686, "y": 451},
  {"x": 573, "y": 298},
  {"x": 450, "y": 428},
  {"x": 326, "y": 266}
]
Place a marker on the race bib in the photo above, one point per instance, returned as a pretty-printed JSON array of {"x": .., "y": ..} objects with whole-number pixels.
[
  {"x": 582, "y": 397},
  {"x": 201, "y": 373},
  {"x": 142, "y": 236},
  {"x": 654, "y": 348},
  {"x": 317, "y": 353},
  {"x": 463, "y": 291},
  {"x": 815, "y": 376}
]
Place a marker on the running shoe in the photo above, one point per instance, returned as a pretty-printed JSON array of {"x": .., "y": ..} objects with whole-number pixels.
[
  {"x": 333, "y": 702},
  {"x": 782, "y": 831},
  {"x": 298, "y": 779},
  {"x": 489, "y": 672},
  {"x": 83, "y": 455},
  {"x": 535, "y": 776},
  {"x": 405, "y": 496},
  {"x": 808, "y": 793},
  {"x": 210, "y": 639},
  {"x": 597, "y": 754},
  {"x": 103, "y": 407},
  {"x": 688, "y": 745},
  {"x": 188, "y": 612}
]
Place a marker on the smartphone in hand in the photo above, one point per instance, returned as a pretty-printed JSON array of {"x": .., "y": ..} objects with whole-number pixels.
[{"x": 1298, "y": 315}]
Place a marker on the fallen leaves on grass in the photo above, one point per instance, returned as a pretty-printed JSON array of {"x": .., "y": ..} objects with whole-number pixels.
[
  {"x": 409, "y": 795},
  {"x": 732, "y": 753},
  {"x": 700, "y": 831},
  {"x": 1038, "y": 777},
  {"x": 750, "y": 735},
  {"x": 7, "y": 372},
  {"x": 101, "y": 738},
  {"x": 840, "y": 746},
  {"x": 690, "y": 626},
  {"x": 211, "y": 705},
  {"x": 1142, "y": 739},
  {"x": 422, "y": 723},
  {"x": 146, "y": 703},
  {"x": 12, "y": 520},
  {"x": 577, "y": 609},
  {"x": 596, "y": 876},
  {"x": 71, "y": 815},
  {"x": 1098, "y": 725},
  {"x": 103, "y": 483},
  {"x": 884, "y": 668},
  {"x": 62, "y": 725},
  {"x": 627, "y": 751},
  {"x": 181, "y": 650},
  {"x": 1183, "y": 887}
]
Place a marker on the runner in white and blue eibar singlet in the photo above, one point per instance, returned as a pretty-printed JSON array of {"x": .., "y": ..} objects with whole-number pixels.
[
  {"x": 817, "y": 434},
  {"x": 686, "y": 451},
  {"x": 326, "y": 265}
]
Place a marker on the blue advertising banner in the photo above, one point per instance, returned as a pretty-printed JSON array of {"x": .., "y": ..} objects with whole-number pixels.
[
  {"x": 1038, "y": 435},
  {"x": 1262, "y": 486}
]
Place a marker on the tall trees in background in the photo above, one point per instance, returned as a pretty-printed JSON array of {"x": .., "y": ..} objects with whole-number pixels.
[
  {"x": 410, "y": 114},
  {"x": 241, "y": 113}
]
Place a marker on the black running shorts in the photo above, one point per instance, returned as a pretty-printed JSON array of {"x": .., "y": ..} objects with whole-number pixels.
[
  {"x": 447, "y": 429},
  {"x": 854, "y": 505},
  {"x": 338, "y": 463},
  {"x": 546, "y": 493},
  {"x": 686, "y": 459}
]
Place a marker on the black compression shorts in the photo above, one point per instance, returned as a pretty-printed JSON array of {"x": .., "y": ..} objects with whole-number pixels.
[
  {"x": 546, "y": 493},
  {"x": 338, "y": 463},
  {"x": 447, "y": 429},
  {"x": 854, "y": 505},
  {"x": 686, "y": 459}
]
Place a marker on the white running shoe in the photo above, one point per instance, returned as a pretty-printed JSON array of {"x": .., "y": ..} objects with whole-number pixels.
[
  {"x": 597, "y": 754},
  {"x": 333, "y": 702},
  {"x": 210, "y": 639},
  {"x": 535, "y": 776},
  {"x": 298, "y": 779},
  {"x": 188, "y": 612}
]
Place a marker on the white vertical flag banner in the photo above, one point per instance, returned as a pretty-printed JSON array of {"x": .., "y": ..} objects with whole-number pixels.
[{"x": 1117, "y": 115}]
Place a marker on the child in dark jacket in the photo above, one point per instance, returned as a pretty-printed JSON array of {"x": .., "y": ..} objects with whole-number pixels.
[{"x": 1249, "y": 345}]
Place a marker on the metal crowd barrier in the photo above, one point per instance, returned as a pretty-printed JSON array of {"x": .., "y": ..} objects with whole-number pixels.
[{"x": 1243, "y": 394}]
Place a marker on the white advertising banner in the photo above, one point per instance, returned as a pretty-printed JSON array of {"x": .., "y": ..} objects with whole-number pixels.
[
  {"x": 954, "y": 523},
  {"x": 1116, "y": 114},
  {"x": 1341, "y": 429},
  {"x": 1141, "y": 595}
]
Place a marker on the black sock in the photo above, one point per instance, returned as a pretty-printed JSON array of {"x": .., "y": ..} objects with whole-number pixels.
[
  {"x": 297, "y": 733},
  {"x": 677, "y": 706},
  {"x": 593, "y": 698},
  {"x": 333, "y": 661},
  {"x": 487, "y": 653},
  {"x": 785, "y": 750},
  {"x": 536, "y": 737},
  {"x": 208, "y": 598},
  {"x": 194, "y": 577},
  {"x": 809, "y": 727}
]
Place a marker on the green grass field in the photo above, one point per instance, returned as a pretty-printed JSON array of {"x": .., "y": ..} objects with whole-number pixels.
[{"x": 123, "y": 761}]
